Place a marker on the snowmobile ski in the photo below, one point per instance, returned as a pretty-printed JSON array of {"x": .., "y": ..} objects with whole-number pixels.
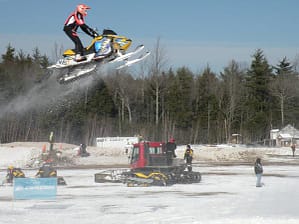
[
  {"x": 75, "y": 73},
  {"x": 128, "y": 55},
  {"x": 68, "y": 62},
  {"x": 133, "y": 61}
]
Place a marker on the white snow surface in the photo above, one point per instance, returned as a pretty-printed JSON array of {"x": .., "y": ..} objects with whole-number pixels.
[{"x": 226, "y": 194}]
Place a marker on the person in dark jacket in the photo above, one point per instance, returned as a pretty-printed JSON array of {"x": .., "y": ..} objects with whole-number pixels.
[
  {"x": 258, "y": 169},
  {"x": 188, "y": 157},
  {"x": 170, "y": 151},
  {"x": 82, "y": 151},
  {"x": 293, "y": 147}
]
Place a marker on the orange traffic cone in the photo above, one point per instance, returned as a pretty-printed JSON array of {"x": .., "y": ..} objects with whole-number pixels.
[{"x": 44, "y": 149}]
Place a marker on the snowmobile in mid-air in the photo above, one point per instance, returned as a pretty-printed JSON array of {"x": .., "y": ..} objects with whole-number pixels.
[{"x": 106, "y": 48}]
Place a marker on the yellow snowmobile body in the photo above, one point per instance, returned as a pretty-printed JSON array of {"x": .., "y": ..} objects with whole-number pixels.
[
  {"x": 147, "y": 179},
  {"x": 119, "y": 43}
]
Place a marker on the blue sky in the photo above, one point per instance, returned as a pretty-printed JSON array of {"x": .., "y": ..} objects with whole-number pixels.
[{"x": 193, "y": 33}]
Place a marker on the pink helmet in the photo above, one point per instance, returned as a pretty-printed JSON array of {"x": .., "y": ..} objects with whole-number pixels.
[{"x": 82, "y": 9}]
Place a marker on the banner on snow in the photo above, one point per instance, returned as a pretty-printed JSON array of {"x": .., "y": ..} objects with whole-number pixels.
[{"x": 35, "y": 188}]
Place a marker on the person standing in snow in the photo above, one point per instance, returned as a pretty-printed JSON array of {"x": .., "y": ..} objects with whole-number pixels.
[
  {"x": 258, "y": 169},
  {"x": 293, "y": 147},
  {"x": 188, "y": 156},
  {"x": 170, "y": 151},
  {"x": 51, "y": 141}
]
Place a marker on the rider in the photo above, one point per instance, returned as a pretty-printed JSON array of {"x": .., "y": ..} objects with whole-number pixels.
[
  {"x": 12, "y": 173},
  {"x": 46, "y": 170},
  {"x": 71, "y": 25}
]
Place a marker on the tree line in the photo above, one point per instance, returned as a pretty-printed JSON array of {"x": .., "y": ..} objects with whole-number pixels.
[{"x": 156, "y": 102}]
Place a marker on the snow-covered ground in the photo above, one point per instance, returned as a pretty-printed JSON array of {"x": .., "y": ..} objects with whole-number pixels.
[
  {"x": 28, "y": 154},
  {"x": 226, "y": 194}
]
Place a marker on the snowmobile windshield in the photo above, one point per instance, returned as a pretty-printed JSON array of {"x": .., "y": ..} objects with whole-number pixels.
[{"x": 109, "y": 32}]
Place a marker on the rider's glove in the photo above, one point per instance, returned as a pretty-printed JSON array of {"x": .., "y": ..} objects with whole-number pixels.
[
  {"x": 95, "y": 34},
  {"x": 92, "y": 32}
]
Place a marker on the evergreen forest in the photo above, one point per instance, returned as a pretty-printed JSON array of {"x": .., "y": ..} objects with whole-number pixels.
[{"x": 151, "y": 100}]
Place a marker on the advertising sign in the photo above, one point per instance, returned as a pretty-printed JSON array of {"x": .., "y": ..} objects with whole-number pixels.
[{"x": 35, "y": 188}]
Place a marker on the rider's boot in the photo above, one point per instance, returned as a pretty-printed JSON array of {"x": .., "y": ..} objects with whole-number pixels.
[{"x": 79, "y": 57}]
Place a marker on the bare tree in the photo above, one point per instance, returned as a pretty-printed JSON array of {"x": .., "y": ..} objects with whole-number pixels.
[
  {"x": 296, "y": 63},
  {"x": 232, "y": 91},
  {"x": 283, "y": 86},
  {"x": 124, "y": 88},
  {"x": 57, "y": 52},
  {"x": 158, "y": 62}
]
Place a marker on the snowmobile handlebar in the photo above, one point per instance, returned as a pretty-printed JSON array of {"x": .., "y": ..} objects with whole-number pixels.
[
  {"x": 95, "y": 33},
  {"x": 105, "y": 32}
]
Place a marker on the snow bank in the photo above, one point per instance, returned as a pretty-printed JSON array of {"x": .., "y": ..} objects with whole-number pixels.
[
  {"x": 16, "y": 156},
  {"x": 28, "y": 154},
  {"x": 239, "y": 154}
]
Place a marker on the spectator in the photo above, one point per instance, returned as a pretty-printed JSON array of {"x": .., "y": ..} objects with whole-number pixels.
[
  {"x": 51, "y": 141},
  {"x": 82, "y": 151},
  {"x": 188, "y": 157},
  {"x": 293, "y": 147},
  {"x": 258, "y": 169},
  {"x": 170, "y": 151}
]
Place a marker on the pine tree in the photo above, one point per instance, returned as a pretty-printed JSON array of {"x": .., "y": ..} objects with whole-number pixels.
[
  {"x": 9, "y": 56},
  {"x": 206, "y": 106},
  {"x": 258, "y": 102}
]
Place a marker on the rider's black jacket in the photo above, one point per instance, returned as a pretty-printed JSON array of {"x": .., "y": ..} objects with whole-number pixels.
[{"x": 74, "y": 21}]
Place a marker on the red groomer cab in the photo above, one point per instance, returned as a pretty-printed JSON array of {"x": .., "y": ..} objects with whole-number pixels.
[{"x": 148, "y": 154}]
